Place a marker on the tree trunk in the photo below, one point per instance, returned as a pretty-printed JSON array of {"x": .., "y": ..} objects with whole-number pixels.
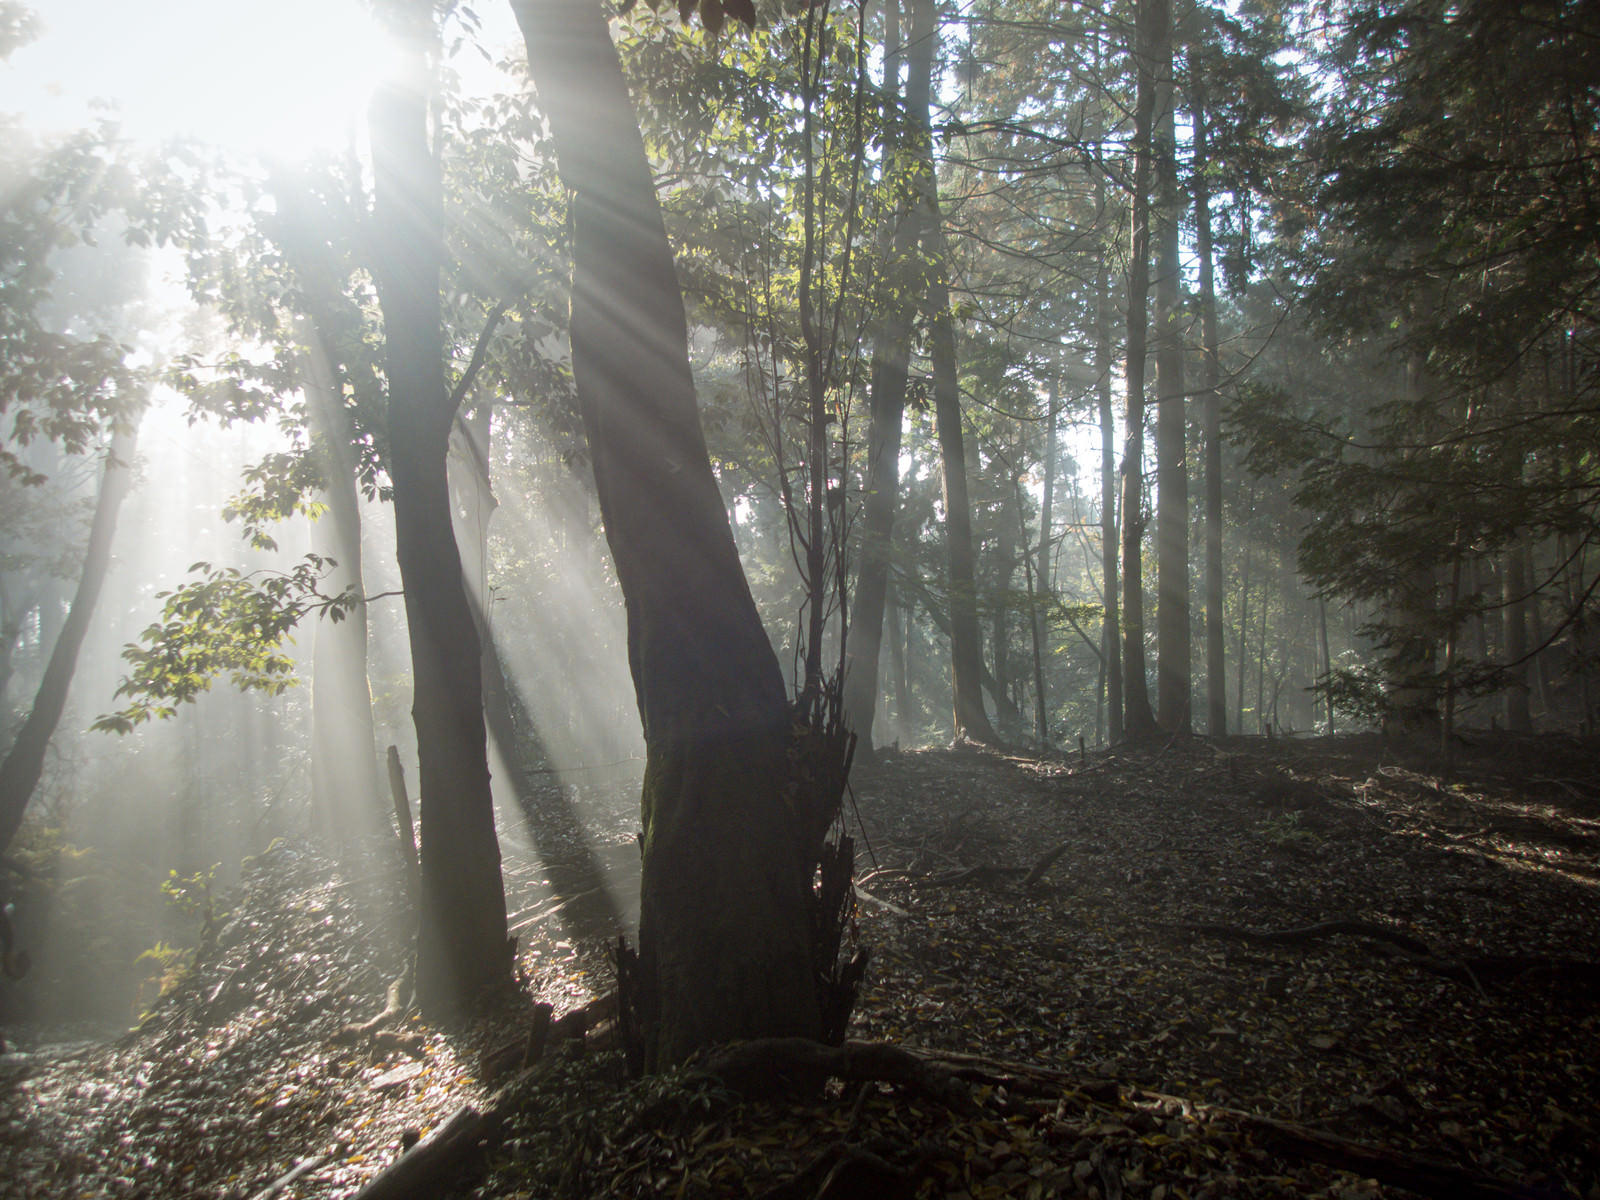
[
  {"x": 1244, "y": 630},
  {"x": 891, "y": 353},
  {"x": 903, "y": 729},
  {"x": 461, "y": 939},
  {"x": 1211, "y": 392},
  {"x": 966, "y": 653},
  {"x": 1111, "y": 624},
  {"x": 1008, "y": 534},
  {"x": 1138, "y": 719},
  {"x": 1039, "y": 581},
  {"x": 725, "y": 922},
  {"x": 1514, "y": 580},
  {"x": 1173, "y": 668},
  {"x": 347, "y": 791},
  {"x": 1327, "y": 659},
  {"x": 24, "y": 762}
]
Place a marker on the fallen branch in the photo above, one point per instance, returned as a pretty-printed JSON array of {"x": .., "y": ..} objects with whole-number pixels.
[
  {"x": 1473, "y": 969},
  {"x": 420, "y": 1169},
  {"x": 973, "y": 875},
  {"x": 1046, "y": 861},
  {"x": 302, "y": 1168},
  {"x": 1415, "y": 1172},
  {"x": 1315, "y": 933},
  {"x": 765, "y": 1067}
]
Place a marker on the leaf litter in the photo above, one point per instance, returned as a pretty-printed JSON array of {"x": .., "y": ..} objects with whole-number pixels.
[{"x": 1088, "y": 940}]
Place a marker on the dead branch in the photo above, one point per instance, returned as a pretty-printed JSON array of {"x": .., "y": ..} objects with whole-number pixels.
[
  {"x": 302, "y": 1168},
  {"x": 1315, "y": 933},
  {"x": 1473, "y": 969},
  {"x": 420, "y": 1169},
  {"x": 1415, "y": 1172},
  {"x": 1046, "y": 861}
]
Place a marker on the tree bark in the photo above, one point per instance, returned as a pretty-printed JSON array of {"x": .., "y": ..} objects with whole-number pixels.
[
  {"x": 1039, "y": 580},
  {"x": 1173, "y": 668},
  {"x": 1515, "y": 597},
  {"x": 24, "y": 762},
  {"x": 725, "y": 896},
  {"x": 891, "y": 354},
  {"x": 1211, "y": 404},
  {"x": 966, "y": 652},
  {"x": 1111, "y": 622},
  {"x": 461, "y": 939},
  {"x": 1138, "y": 719},
  {"x": 346, "y": 789}
]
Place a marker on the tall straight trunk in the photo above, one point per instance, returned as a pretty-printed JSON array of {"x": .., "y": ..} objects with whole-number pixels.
[
  {"x": 966, "y": 657},
  {"x": 1244, "y": 635},
  {"x": 811, "y": 333},
  {"x": 726, "y": 913},
  {"x": 1138, "y": 719},
  {"x": 1535, "y": 610},
  {"x": 462, "y": 951},
  {"x": 1039, "y": 582},
  {"x": 1111, "y": 624},
  {"x": 24, "y": 761},
  {"x": 1008, "y": 534},
  {"x": 1211, "y": 406},
  {"x": 895, "y": 633},
  {"x": 347, "y": 790},
  {"x": 1412, "y": 692},
  {"x": 1447, "y": 723},
  {"x": 1263, "y": 721},
  {"x": 1327, "y": 658},
  {"x": 966, "y": 653},
  {"x": 891, "y": 353},
  {"x": 1173, "y": 667},
  {"x": 1514, "y": 581}
]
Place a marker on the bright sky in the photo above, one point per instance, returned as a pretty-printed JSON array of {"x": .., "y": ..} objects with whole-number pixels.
[{"x": 275, "y": 76}]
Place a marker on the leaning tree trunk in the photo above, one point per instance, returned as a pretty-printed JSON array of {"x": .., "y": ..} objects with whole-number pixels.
[
  {"x": 725, "y": 915},
  {"x": 24, "y": 762},
  {"x": 461, "y": 938}
]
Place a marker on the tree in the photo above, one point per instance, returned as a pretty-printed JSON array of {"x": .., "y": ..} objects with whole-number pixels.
[
  {"x": 1152, "y": 31},
  {"x": 966, "y": 647},
  {"x": 24, "y": 761},
  {"x": 1458, "y": 185},
  {"x": 731, "y": 839},
  {"x": 1211, "y": 413},
  {"x": 1173, "y": 668},
  {"x": 891, "y": 353},
  {"x": 57, "y": 386},
  {"x": 461, "y": 939}
]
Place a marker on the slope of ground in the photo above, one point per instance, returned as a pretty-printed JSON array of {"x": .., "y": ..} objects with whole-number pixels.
[{"x": 1093, "y": 922}]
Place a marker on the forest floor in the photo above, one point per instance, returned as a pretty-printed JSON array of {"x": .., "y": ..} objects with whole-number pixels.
[{"x": 1082, "y": 936}]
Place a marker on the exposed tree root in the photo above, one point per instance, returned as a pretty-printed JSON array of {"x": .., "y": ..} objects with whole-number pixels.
[
  {"x": 763, "y": 1068},
  {"x": 1474, "y": 969},
  {"x": 1029, "y": 876}
]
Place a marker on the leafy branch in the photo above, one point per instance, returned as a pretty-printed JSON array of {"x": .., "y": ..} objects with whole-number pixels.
[{"x": 229, "y": 622}]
